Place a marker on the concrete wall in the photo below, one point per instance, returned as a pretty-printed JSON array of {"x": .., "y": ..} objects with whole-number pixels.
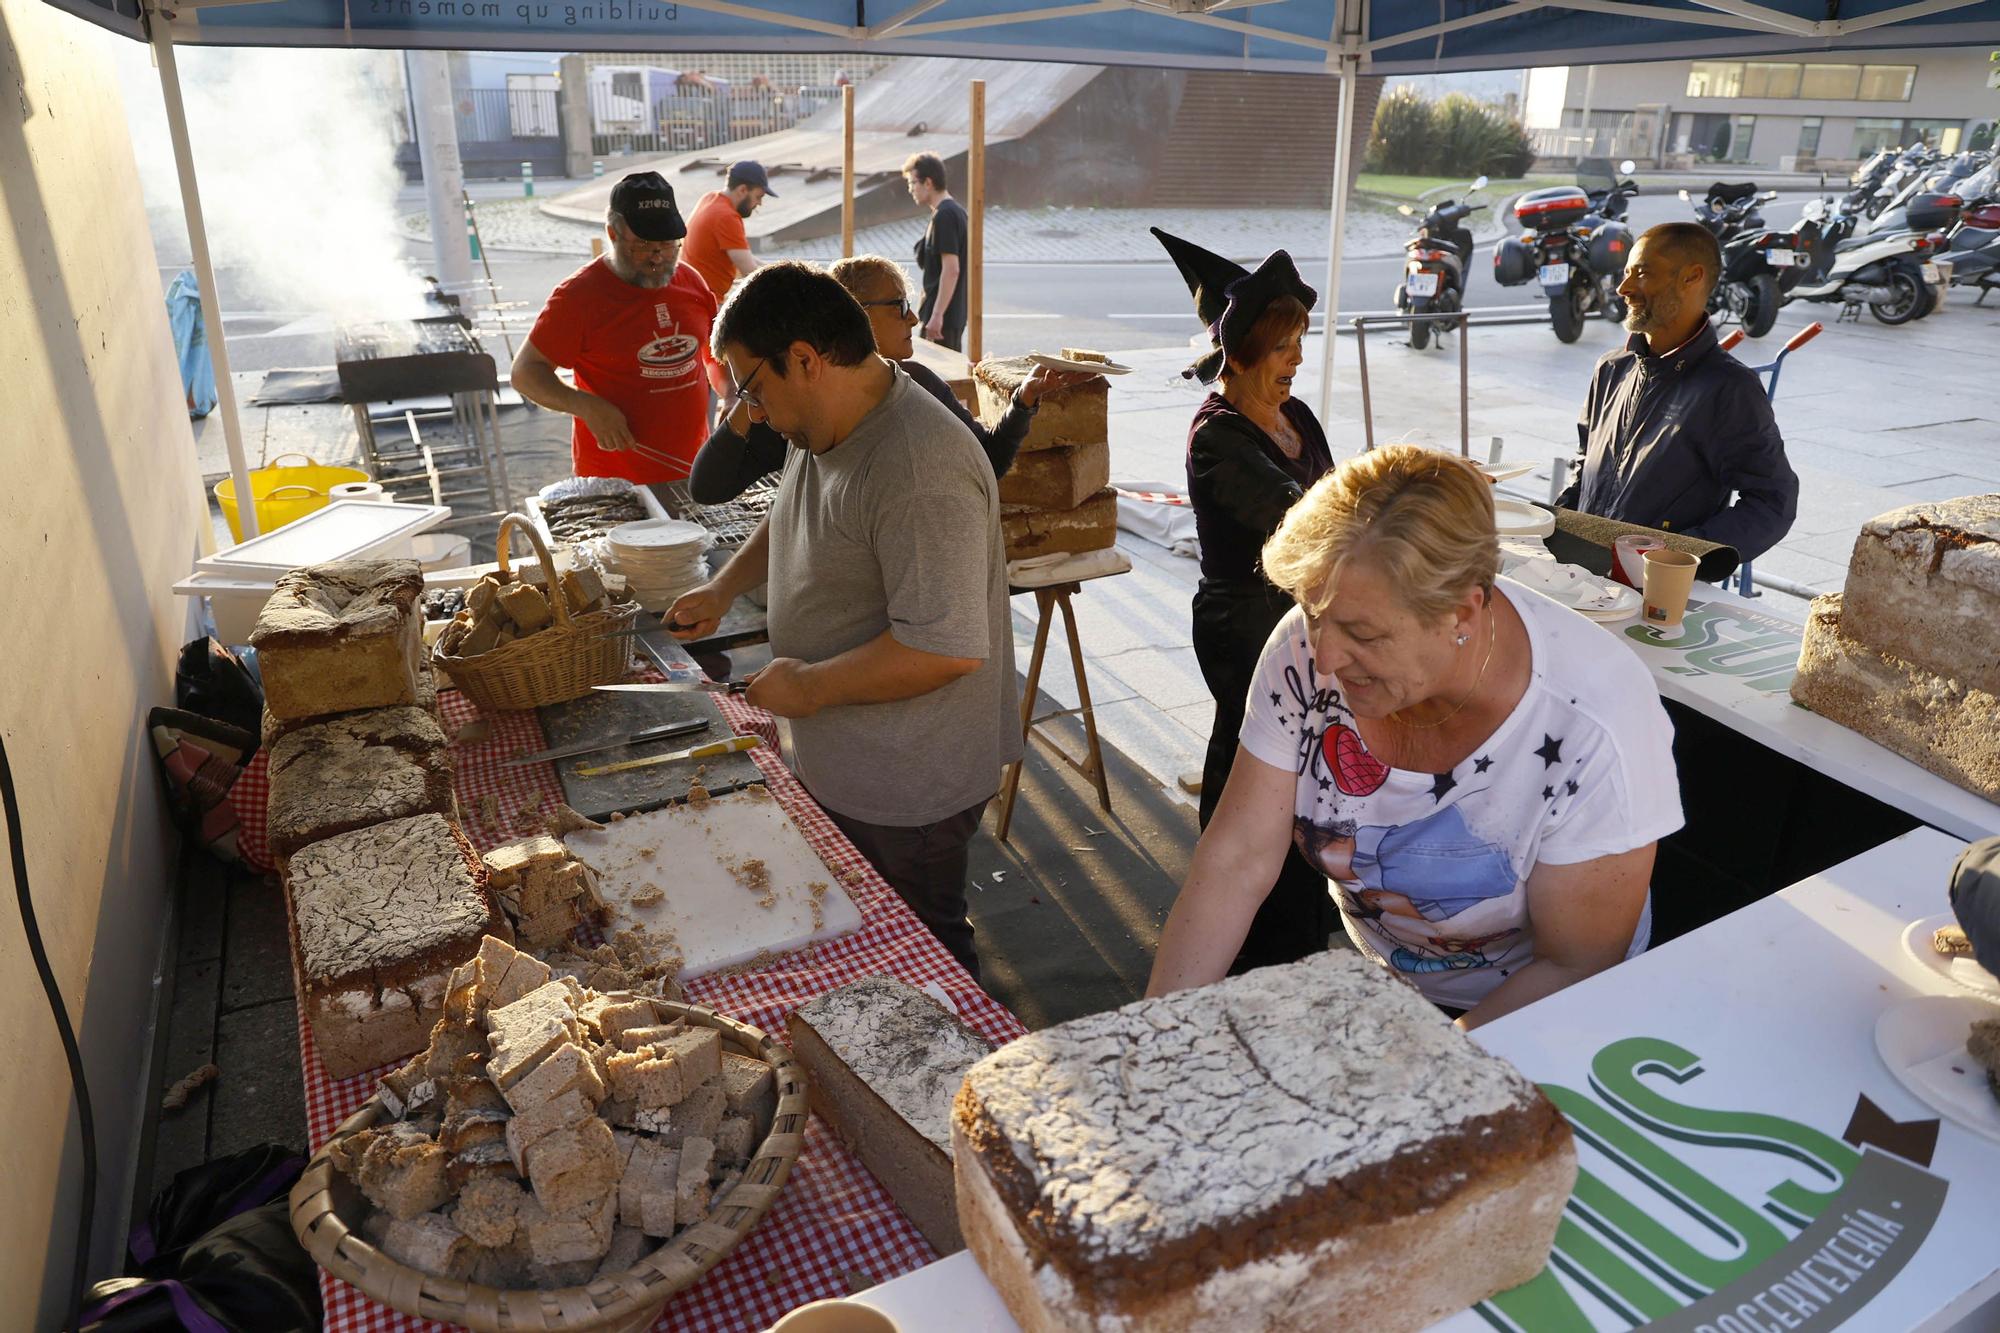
[{"x": 98, "y": 515}]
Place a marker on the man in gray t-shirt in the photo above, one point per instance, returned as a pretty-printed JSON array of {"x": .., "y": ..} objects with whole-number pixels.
[{"x": 890, "y": 627}]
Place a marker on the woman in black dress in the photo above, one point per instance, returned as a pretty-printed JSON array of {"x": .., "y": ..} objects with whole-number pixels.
[{"x": 1253, "y": 449}]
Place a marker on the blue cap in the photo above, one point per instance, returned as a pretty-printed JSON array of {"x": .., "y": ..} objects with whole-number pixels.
[{"x": 751, "y": 173}]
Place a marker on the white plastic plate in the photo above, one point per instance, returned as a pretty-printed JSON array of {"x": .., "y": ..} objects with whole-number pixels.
[
  {"x": 1518, "y": 518},
  {"x": 1922, "y": 1041},
  {"x": 1960, "y": 970}
]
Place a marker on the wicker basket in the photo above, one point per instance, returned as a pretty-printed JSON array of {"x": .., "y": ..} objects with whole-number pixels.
[
  {"x": 561, "y": 662},
  {"x": 327, "y": 1210}
]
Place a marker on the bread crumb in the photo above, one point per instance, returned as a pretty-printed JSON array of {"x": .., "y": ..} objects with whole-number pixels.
[
  {"x": 649, "y": 896},
  {"x": 473, "y": 732},
  {"x": 647, "y": 853}
]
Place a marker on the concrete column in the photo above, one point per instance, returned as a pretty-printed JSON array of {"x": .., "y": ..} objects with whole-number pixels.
[
  {"x": 576, "y": 124},
  {"x": 436, "y": 130}
]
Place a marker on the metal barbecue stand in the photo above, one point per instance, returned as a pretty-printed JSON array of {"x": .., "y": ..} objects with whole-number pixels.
[
  {"x": 401, "y": 359},
  {"x": 1361, "y": 325}
]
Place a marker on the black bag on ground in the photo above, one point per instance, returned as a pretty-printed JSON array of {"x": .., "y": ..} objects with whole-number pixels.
[
  {"x": 216, "y": 1254},
  {"x": 211, "y": 680}
]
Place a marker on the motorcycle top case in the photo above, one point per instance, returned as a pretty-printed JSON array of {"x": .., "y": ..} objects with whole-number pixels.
[
  {"x": 1513, "y": 262},
  {"x": 1610, "y": 247},
  {"x": 1934, "y": 212},
  {"x": 1559, "y": 206}
]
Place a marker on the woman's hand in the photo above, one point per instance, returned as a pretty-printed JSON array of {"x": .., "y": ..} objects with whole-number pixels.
[
  {"x": 1235, "y": 864},
  {"x": 1046, "y": 380}
]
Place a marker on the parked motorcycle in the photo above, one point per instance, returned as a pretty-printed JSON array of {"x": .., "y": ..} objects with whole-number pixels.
[
  {"x": 1975, "y": 241},
  {"x": 1573, "y": 252},
  {"x": 1434, "y": 273},
  {"x": 1890, "y": 274},
  {"x": 1758, "y": 265}
]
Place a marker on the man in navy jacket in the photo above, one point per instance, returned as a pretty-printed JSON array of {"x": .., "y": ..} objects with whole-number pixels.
[{"x": 1674, "y": 426}]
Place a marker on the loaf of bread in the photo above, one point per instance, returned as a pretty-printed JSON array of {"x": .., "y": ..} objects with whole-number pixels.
[
  {"x": 1311, "y": 1146},
  {"x": 380, "y": 917},
  {"x": 1060, "y": 478},
  {"x": 352, "y": 771},
  {"x": 340, "y": 637},
  {"x": 885, "y": 1061},
  {"x": 275, "y": 728},
  {"x": 1091, "y": 526},
  {"x": 1932, "y": 720},
  {"x": 1924, "y": 584},
  {"x": 1076, "y": 415}
]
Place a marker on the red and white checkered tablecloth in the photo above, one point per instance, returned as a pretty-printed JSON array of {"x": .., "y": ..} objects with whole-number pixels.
[{"x": 833, "y": 1228}]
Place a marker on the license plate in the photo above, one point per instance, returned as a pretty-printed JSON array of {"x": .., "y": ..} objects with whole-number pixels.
[
  {"x": 1931, "y": 273},
  {"x": 1555, "y": 275},
  {"x": 1422, "y": 284},
  {"x": 1786, "y": 258}
]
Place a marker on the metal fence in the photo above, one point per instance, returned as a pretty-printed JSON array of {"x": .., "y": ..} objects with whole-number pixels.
[
  {"x": 691, "y": 119},
  {"x": 1571, "y": 143},
  {"x": 498, "y": 130}
]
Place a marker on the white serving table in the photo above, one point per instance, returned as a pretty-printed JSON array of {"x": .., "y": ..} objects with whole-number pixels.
[
  {"x": 1733, "y": 659},
  {"x": 1713, "y": 1081}
]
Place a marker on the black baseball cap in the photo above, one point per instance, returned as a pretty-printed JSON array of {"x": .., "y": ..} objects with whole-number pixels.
[
  {"x": 751, "y": 173},
  {"x": 646, "y": 202}
]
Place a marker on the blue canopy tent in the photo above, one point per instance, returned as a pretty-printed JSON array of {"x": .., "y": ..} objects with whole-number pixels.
[{"x": 1340, "y": 38}]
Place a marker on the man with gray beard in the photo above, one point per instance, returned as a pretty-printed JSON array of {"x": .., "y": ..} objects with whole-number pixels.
[
  {"x": 633, "y": 325},
  {"x": 1674, "y": 425}
]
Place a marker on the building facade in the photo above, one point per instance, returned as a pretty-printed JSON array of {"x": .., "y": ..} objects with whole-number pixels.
[{"x": 1785, "y": 112}]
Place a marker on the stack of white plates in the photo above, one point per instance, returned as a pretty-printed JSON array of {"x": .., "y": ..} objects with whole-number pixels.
[
  {"x": 1577, "y": 588},
  {"x": 661, "y": 558}
]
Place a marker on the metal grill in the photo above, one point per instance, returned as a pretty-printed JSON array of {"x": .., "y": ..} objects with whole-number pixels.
[{"x": 732, "y": 522}]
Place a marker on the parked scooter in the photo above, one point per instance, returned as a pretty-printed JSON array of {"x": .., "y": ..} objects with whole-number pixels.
[
  {"x": 1434, "y": 273},
  {"x": 1758, "y": 265},
  {"x": 1574, "y": 253},
  {"x": 1975, "y": 241},
  {"x": 1890, "y": 274}
]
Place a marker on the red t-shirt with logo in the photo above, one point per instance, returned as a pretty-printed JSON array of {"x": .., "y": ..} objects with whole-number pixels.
[{"x": 645, "y": 351}]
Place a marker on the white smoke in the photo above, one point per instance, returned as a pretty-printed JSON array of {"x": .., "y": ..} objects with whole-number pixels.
[{"x": 294, "y": 155}]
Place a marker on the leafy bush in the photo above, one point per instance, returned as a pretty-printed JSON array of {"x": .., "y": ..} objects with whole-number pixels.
[{"x": 1456, "y": 137}]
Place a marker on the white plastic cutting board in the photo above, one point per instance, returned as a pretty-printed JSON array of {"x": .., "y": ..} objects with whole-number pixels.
[
  {"x": 714, "y": 920},
  {"x": 342, "y": 530}
]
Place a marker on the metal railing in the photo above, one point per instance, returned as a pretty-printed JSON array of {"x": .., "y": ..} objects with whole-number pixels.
[
  {"x": 497, "y": 115},
  {"x": 1614, "y": 142},
  {"x": 691, "y": 119},
  {"x": 1460, "y": 322}
]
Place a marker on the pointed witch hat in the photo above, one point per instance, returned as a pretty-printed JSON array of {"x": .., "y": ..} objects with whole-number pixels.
[{"x": 1229, "y": 298}]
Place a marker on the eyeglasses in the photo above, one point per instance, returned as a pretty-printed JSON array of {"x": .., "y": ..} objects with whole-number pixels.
[
  {"x": 901, "y": 305},
  {"x": 743, "y": 394}
]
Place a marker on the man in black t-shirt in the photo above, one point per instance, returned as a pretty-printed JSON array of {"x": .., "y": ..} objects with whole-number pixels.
[{"x": 941, "y": 252}]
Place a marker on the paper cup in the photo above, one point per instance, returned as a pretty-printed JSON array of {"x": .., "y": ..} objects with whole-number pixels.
[
  {"x": 1669, "y": 578},
  {"x": 835, "y": 1316},
  {"x": 1628, "y": 557}
]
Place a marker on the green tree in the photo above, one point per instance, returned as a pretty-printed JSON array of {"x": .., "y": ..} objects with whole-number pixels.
[{"x": 1405, "y": 137}]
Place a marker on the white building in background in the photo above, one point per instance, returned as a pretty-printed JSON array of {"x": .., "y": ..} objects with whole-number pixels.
[{"x": 1782, "y": 111}]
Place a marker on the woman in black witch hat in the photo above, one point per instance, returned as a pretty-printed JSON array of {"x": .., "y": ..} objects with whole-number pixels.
[{"x": 1252, "y": 450}]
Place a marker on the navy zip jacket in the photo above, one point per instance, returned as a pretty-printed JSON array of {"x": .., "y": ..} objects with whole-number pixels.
[{"x": 1666, "y": 439}]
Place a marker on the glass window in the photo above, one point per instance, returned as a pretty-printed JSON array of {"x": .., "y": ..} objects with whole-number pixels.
[
  {"x": 1715, "y": 78},
  {"x": 1887, "y": 83},
  {"x": 1873, "y": 135},
  {"x": 1942, "y": 135},
  {"x": 1809, "y": 130},
  {"x": 1837, "y": 83},
  {"x": 1739, "y": 142},
  {"x": 1770, "y": 80}
]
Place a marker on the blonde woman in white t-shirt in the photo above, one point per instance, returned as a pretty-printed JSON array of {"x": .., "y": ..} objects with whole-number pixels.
[{"x": 1482, "y": 773}]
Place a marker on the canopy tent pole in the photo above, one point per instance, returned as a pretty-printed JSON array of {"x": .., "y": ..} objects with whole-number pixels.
[
  {"x": 974, "y": 276},
  {"x": 847, "y": 171},
  {"x": 435, "y": 128},
  {"x": 204, "y": 269},
  {"x": 1330, "y": 301}
]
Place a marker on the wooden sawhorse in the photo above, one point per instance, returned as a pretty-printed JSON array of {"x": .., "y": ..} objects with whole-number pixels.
[{"x": 1048, "y": 600}]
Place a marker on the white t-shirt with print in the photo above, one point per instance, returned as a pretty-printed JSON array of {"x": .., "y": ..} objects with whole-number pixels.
[{"x": 1429, "y": 870}]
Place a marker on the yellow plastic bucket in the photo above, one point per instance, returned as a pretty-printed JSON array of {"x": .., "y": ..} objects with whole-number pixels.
[{"x": 284, "y": 493}]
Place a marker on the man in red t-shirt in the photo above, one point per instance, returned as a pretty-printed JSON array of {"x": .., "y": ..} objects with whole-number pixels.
[
  {"x": 633, "y": 325},
  {"x": 717, "y": 246}
]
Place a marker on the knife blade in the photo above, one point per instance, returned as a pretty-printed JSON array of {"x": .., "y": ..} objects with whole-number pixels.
[
  {"x": 709, "y": 751},
  {"x": 679, "y": 687},
  {"x": 636, "y": 738}
]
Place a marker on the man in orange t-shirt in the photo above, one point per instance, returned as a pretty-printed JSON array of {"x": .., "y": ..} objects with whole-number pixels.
[
  {"x": 633, "y": 325},
  {"x": 717, "y": 245}
]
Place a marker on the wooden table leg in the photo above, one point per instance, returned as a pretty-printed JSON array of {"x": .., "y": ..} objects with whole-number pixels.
[
  {"x": 1011, "y": 785},
  {"x": 1093, "y": 764}
]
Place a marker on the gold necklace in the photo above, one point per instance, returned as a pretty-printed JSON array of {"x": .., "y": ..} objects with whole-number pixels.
[{"x": 1492, "y": 638}]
